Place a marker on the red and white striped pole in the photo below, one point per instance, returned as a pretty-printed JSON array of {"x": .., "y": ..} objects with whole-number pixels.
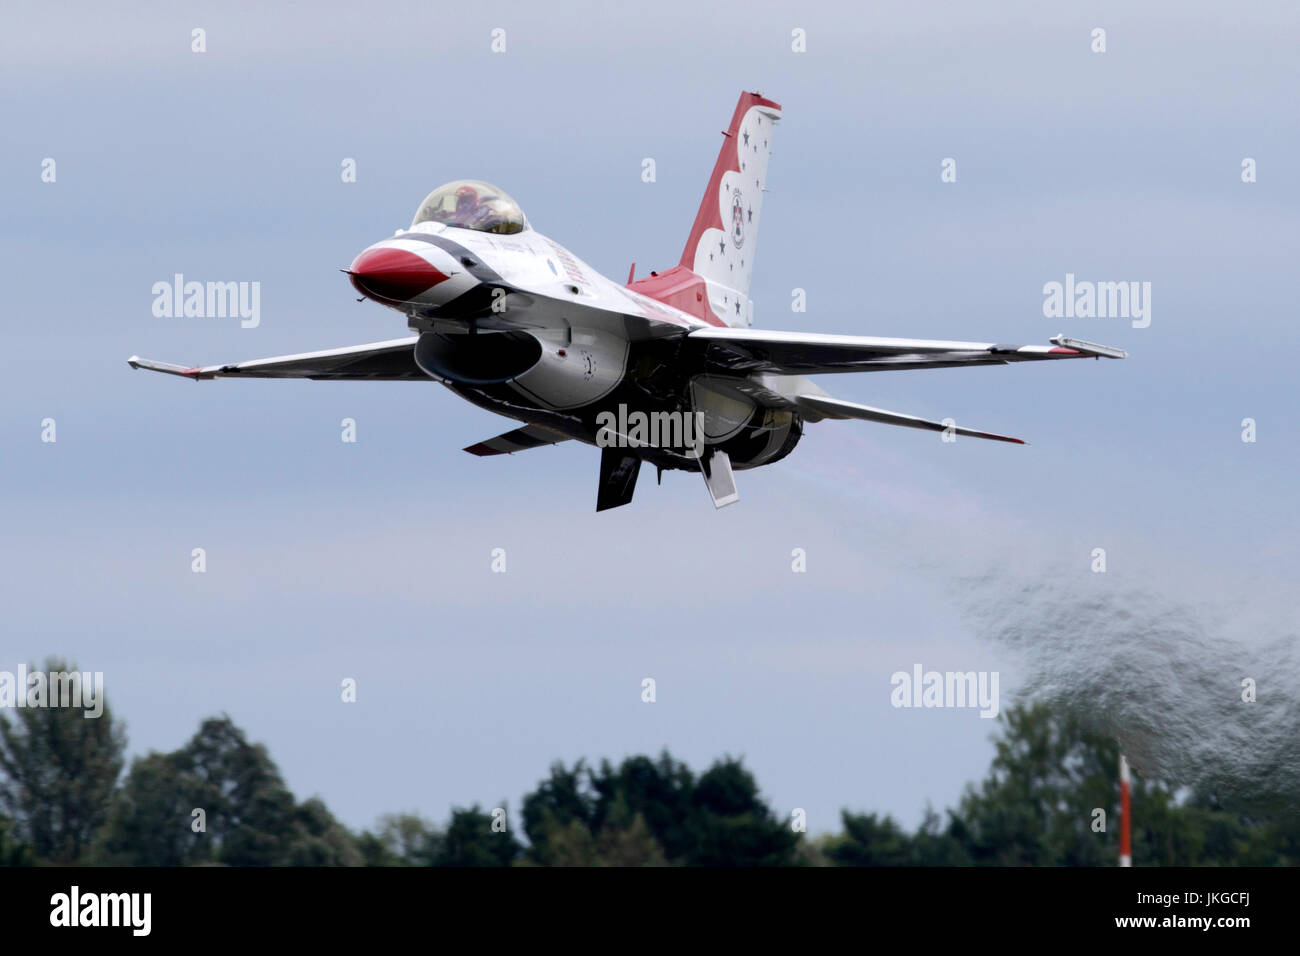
[{"x": 1125, "y": 841}]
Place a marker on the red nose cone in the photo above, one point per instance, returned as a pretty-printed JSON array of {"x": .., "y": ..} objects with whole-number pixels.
[{"x": 393, "y": 275}]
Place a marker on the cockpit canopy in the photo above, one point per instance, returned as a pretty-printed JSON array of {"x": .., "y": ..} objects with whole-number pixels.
[{"x": 472, "y": 204}]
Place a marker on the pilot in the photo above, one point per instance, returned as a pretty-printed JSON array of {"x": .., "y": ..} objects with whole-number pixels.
[
  {"x": 485, "y": 215},
  {"x": 467, "y": 205}
]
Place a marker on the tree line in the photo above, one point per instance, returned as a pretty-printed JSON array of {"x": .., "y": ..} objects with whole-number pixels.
[{"x": 1050, "y": 798}]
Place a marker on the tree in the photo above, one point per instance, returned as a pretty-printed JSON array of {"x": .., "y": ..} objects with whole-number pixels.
[
  {"x": 248, "y": 815},
  {"x": 58, "y": 768},
  {"x": 317, "y": 839},
  {"x": 731, "y": 823},
  {"x": 150, "y": 821},
  {"x": 561, "y": 800},
  {"x": 248, "y": 807},
  {"x": 1053, "y": 771},
  {"x": 935, "y": 845},
  {"x": 648, "y": 812},
  {"x": 623, "y": 840},
  {"x": 869, "y": 840},
  {"x": 471, "y": 841},
  {"x": 1049, "y": 775},
  {"x": 12, "y": 853},
  {"x": 404, "y": 839},
  {"x": 661, "y": 792}
]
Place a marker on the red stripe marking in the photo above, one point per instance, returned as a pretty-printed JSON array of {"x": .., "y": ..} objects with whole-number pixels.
[
  {"x": 682, "y": 289},
  {"x": 709, "y": 216},
  {"x": 393, "y": 275}
]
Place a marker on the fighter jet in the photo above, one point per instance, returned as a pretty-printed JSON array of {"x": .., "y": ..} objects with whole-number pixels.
[{"x": 665, "y": 369}]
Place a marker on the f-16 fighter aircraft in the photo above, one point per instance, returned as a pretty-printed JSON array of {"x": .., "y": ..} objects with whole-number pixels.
[{"x": 665, "y": 369}]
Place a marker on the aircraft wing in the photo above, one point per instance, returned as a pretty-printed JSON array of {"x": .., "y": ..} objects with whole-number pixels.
[
  {"x": 801, "y": 353},
  {"x": 376, "y": 361},
  {"x": 521, "y": 439},
  {"x": 817, "y": 407}
]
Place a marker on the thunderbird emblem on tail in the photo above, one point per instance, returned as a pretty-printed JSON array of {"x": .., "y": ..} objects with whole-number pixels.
[{"x": 515, "y": 323}]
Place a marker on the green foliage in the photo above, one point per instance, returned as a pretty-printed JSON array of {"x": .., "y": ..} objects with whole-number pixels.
[
  {"x": 1038, "y": 805},
  {"x": 732, "y": 826},
  {"x": 1036, "y": 808},
  {"x": 471, "y": 841},
  {"x": 249, "y": 817},
  {"x": 869, "y": 840},
  {"x": 13, "y": 853},
  {"x": 404, "y": 839},
  {"x": 660, "y": 792},
  {"x": 58, "y": 770},
  {"x": 1052, "y": 780},
  {"x": 647, "y": 813},
  {"x": 624, "y": 839},
  {"x": 558, "y": 803},
  {"x": 149, "y": 819},
  {"x": 317, "y": 839}
]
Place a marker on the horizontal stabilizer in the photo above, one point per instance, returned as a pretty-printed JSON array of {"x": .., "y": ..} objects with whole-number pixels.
[
  {"x": 817, "y": 407},
  {"x": 521, "y": 439}
]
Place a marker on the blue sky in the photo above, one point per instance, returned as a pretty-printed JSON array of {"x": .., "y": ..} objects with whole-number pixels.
[{"x": 328, "y": 560}]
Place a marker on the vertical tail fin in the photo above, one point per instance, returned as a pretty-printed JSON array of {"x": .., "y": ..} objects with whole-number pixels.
[{"x": 721, "y": 245}]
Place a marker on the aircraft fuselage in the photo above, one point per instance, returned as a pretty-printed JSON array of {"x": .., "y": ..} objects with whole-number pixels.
[{"x": 522, "y": 327}]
